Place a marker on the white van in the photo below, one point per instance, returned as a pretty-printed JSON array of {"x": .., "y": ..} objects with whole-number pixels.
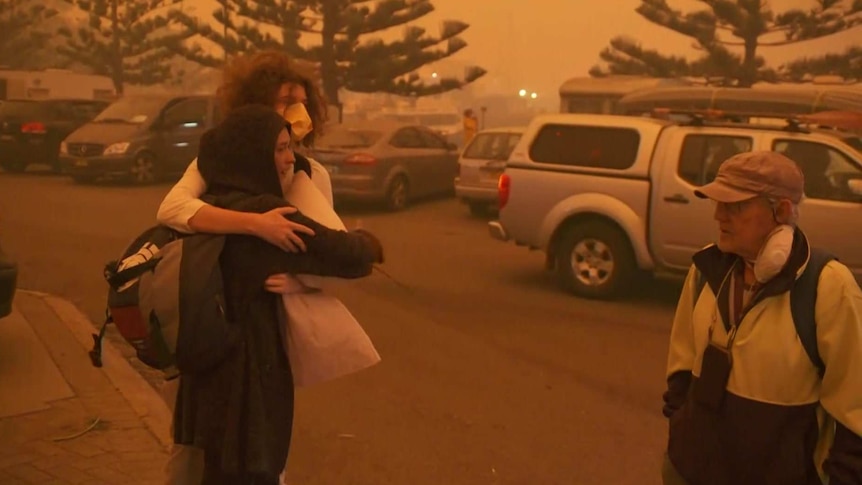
[{"x": 54, "y": 84}]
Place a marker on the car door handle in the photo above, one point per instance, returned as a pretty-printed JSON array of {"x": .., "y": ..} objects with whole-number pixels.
[{"x": 677, "y": 199}]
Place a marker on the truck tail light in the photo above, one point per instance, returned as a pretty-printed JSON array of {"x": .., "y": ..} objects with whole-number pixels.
[{"x": 504, "y": 188}]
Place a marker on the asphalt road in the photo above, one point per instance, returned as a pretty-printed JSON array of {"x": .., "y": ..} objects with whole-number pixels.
[{"x": 490, "y": 374}]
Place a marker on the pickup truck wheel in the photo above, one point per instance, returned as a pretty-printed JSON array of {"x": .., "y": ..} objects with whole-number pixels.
[{"x": 595, "y": 260}]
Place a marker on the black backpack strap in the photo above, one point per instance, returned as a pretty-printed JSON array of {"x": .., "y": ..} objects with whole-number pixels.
[
  {"x": 803, "y": 297},
  {"x": 699, "y": 284},
  {"x": 96, "y": 352}
]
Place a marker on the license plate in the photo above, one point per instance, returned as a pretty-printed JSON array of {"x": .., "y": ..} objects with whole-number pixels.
[
  {"x": 81, "y": 163},
  {"x": 6, "y": 138}
]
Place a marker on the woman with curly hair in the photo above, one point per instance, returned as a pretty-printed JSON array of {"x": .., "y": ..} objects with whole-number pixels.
[{"x": 270, "y": 78}]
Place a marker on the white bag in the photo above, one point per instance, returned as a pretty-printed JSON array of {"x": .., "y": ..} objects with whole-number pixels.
[
  {"x": 324, "y": 341},
  {"x": 322, "y": 338}
]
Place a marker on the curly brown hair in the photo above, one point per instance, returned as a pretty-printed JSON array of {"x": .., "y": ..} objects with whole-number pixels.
[{"x": 258, "y": 77}]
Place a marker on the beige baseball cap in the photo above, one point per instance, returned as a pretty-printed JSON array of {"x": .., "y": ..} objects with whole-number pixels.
[{"x": 751, "y": 174}]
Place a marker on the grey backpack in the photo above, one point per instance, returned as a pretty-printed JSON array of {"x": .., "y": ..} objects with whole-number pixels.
[{"x": 166, "y": 298}]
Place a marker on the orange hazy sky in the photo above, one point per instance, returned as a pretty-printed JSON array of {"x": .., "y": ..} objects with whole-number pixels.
[{"x": 540, "y": 46}]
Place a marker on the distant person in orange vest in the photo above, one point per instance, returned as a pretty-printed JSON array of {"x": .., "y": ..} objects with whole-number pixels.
[{"x": 471, "y": 125}]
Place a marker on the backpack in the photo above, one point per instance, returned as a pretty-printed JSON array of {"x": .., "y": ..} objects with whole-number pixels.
[
  {"x": 166, "y": 298},
  {"x": 803, "y": 296}
]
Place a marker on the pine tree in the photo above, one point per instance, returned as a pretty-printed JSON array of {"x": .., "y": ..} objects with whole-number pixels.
[
  {"x": 346, "y": 57},
  {"x": 726, "y": 25},
  {"x": 125, "y": 40},
  {"x": 20, "y": 32},
  {"x": 847, "y": 64},
  {"x": 233, "y": 34}
]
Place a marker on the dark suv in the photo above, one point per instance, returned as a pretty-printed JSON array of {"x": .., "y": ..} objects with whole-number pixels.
[
  {"x": 143, "y": 138},
  {"x": 31, "y": 130}
]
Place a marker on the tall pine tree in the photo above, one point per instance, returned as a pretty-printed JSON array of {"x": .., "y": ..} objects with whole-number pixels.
[
  {"x": 126, "y": 40},
  {"x": 726, "y": 26},
  {"x": 21, "y": 32},
  {"x": 348, "y": 53},
  {"x": 229, "y": 34}
]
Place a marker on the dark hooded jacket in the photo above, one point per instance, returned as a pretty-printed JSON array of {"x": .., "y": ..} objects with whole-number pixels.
[{"x": 241, "y": 411}]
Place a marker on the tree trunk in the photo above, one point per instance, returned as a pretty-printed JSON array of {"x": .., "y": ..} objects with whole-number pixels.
[
  {"x": 328, "y": 65},
  {"x": 749, "y": 63},
  {"x": 116, "y": 54}
]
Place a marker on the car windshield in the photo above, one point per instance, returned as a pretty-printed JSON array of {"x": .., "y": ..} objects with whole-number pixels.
[
  {"x": 492, "y": 146},
  {"x": 344, "y": 137},
  {"x": 20, "y": 108},
  {"x": 131, "y": 110}
]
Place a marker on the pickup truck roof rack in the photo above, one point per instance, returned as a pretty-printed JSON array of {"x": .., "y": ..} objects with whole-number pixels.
[{"x": 839, "y": 120}]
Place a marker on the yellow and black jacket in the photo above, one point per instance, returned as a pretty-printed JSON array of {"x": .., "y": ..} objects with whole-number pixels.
[{"x": 780, "y": 422}]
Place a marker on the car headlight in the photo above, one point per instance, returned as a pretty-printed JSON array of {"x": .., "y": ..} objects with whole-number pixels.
[
  {"x": 117, "y": 148},
  {"x": 64, "y": 148}
]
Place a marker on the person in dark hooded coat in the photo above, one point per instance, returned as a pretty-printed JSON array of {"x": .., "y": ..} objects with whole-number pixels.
[{"x": 241, "y": 412}]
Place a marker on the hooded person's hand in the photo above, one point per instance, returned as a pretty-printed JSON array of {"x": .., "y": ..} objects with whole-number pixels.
[{"x": 374, "y": 242}]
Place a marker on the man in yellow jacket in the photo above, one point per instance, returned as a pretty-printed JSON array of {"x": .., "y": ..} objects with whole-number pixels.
[{"x": 746, "y": 401}]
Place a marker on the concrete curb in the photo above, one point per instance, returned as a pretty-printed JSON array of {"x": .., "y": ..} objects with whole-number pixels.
[{"x": 146, "y": 402}]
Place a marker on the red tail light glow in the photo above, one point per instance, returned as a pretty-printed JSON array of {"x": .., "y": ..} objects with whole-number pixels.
[
  {"x": 361, "y": 159},
  {"x": 34, "y": 127},
  {"x": 504, "y": 187}
]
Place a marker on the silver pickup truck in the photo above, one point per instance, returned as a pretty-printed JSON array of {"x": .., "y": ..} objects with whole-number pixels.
[{"x": 608, "y": 197}]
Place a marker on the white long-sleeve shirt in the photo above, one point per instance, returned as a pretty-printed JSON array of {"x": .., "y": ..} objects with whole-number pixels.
[{"x": 183, "y": 200}]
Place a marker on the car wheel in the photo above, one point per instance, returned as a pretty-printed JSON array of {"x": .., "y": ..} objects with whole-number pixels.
[
  {"x": 13, "y": 166},
  {"x": 397, "y": 194},
  {"x": 595, "y": 260},
  {"x": 143, "y": 170}
]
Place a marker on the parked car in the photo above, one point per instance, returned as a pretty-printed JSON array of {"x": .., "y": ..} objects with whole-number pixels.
[
  {"x": 481, "y": 165},
  {"x": 387, "y": 161},
  {"x": 31, "y": 130},
  {"x": 144, "y": 138},
  {"x": 448, "y": 123},
  {"x": 606, "y": 197},
  {"x": 8, "y": 282}
]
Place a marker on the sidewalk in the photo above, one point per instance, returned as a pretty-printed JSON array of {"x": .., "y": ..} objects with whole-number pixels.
[{"x": 63, "y": 421}]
